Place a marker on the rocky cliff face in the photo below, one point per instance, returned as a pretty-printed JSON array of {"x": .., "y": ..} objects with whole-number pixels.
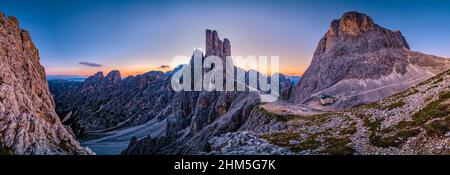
[
  {"x": 28, "y": 121},
  {"x": 358, "y": 61}
]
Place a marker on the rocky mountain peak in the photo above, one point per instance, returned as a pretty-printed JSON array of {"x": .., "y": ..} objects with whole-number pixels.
[
  {"x": 357, "y": 32},
  {"x": 99, "y": 80},
  {"x": 99, "y": 75},
  {"x": 113, "y": 76},
  {"x": 354, "y": 59},
  {"x": 215, "y": 46},
  {"x": 154, "y": 74},
  {"x": 12, "y": 21},
  {"x": 352, "y": 23}
]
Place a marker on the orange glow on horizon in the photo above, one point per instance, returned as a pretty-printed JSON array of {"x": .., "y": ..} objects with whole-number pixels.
[
  {"x": 125, "y": 72},
  {"x": 137, "y": 69}
]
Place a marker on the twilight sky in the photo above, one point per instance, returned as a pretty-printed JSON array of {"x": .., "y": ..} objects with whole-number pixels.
[{"x": 80, "y": 37}]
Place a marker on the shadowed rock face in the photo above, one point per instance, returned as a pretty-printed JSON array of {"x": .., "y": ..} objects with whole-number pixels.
[
  {"x": 28, "y": 121},
  {"x": 355, "y": 48}
]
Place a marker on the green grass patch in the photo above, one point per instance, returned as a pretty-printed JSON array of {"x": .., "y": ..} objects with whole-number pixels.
[
  {"x": 64, "y": 145},
  {"x": 374, "y": 105},
  {"x": 434, "y": 110},
  {"x": 278, "y": 117},
  {"x": 377, "y": 138},
  {"x": 338, "y": 146},
  {"x": 405, "y": 129},
  {"x": 392, "y": 141},
  {"x": 373, "y": 126},
  {"x": 404, "y": 93},
  {"x": 282, "y": 139},
  {"x": 411, "y": 92},
  {"x": 392, "y": 106},
  {"x": 350, "y": 130},
  {"x": 5, "y": 150},
  {"x": 438, "y": 127}
]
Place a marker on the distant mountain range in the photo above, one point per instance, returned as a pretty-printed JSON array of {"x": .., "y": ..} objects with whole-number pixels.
[
  {"x": 66, "y": 77},
  {"x": 294, "y": 79}
]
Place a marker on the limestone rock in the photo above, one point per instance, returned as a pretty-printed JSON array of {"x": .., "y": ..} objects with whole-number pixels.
[
  {"x": 359, "y": 62},
  {"x": 28, "y": 121},
  {"x": 215, "y": 46},
  {"x": 244, "y": 143}
]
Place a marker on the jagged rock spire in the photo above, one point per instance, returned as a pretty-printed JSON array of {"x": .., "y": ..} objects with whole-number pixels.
[{"x": 215, "y": 46}]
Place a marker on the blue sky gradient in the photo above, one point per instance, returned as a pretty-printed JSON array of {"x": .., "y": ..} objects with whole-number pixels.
[{"x": 135, "y": 36}]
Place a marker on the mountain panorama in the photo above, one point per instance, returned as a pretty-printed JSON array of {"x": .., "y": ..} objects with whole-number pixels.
[{"x": 365, "y": 92}]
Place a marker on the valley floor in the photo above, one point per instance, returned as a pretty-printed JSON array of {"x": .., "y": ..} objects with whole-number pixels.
[{"x": 114, "y": 142}]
